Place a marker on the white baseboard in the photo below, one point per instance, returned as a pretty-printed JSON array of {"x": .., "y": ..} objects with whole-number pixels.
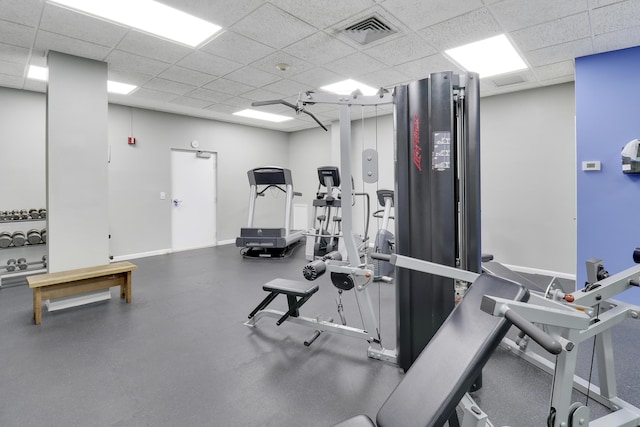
[
  {"x": 530, "y": 270},
  {"x": 226, "y": 242},
  {"x": 141, "y": 255}
]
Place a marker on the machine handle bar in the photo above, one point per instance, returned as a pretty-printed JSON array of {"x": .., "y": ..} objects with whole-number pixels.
[
  {"x": 383, "y": 257},
  {"x": 545, "y": 340}
]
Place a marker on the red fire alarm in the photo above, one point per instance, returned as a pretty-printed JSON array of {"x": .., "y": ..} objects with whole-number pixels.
[{"x": 131, "y": 140}]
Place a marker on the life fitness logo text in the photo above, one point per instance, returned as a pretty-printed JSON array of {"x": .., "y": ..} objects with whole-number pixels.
[{"x": 417, "y": 150}]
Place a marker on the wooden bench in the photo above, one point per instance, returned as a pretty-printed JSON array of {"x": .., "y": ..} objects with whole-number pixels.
[{"x": 73, "y": 282}]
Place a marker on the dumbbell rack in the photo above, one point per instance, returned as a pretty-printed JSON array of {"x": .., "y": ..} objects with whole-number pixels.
[{"x": 26, "y": 251}]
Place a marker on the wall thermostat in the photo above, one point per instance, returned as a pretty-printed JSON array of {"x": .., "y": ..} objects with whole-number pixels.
[
  {"x": 591, "y": 165},
  {"x": 195, "y": 144}
]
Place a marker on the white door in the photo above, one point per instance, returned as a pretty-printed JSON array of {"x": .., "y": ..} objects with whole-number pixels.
[{"x": 193, "y": 200}]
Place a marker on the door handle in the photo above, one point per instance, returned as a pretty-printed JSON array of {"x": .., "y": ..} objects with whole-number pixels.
[{"x": 176, "y": 202}]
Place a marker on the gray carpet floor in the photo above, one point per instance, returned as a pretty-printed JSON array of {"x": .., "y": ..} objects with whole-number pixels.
[{"x": 180, "y": 355}]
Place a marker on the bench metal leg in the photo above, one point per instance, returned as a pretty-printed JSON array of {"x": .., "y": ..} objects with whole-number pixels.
[
  {"x": 294, "y": 305},
  {"x": 265, "y": 302}
]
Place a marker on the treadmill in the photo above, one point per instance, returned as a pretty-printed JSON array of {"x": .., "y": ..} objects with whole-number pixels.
[{"x": 269, "y": 242}]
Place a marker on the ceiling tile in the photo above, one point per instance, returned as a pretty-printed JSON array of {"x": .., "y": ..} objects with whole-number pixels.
[
  {"x": 617, "y": 40},
  {"x": 16, "y": 34},
  {"x": 223, "y": 13},
  {"x": 208, "y": 95},
  {"x": 268, "y": 64},
  {"x": 467, "y": 28},
  {"x": 190, "y": 102},
  {"x": 355, "y": 65},
  {"x": 129, "y": 77},
  {"x": 324, "y": 12},
  {"x": 419, "y": 14},
  {"x": 261, "y": 95},
  {"x": 11, "y": 81},
  {"x": 599, "y": 3},
  {"x": 553, "y": 33},
  {"x": 13, "y": 53},
  {"x": 11, "y": 68},
  {"x": 229, "y": 86},
  {"x": 616, "y": 17},
  {"x": 21, "y": 11},
  {"x": 252, "y": 76},
  {"x": 518, "y": 14},
  {"x": 237, "y": 48},
  {"x": 402, "y": 49},
  {"x": 317, "y": 77},
  {"x": 552, "y": 71},
  {"x": 125, "y": 61},
  {"x": 184, "y": 75},
  {"x": 152, "y": 95},
  {"x": 153, "y": 47},
  {"x": 51, "y": 41},
  {"x": 286, "y": 87},
  {"x": 238, "y": 101},
  {"x": 63, "y": 21},
  {"x": 384, "y": 78},
  {"x": 421, "y": 68},
  {"x": 559, "y": 53},
  {"x": 35, "y": 85},
  {"x": 319, "y": 48},
  {"x": 223, "y": 108},
  {"x": 209, "y": 64},
  {"x": 273, "y": 26},
  {"x": 169, "y": 86}
]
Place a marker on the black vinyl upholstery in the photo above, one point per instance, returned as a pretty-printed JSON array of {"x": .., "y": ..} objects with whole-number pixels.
[{"x": 451, "y": 362}]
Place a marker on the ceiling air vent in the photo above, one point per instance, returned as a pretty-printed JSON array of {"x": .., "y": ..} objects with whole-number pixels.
[{"x": 368, "y": 30}]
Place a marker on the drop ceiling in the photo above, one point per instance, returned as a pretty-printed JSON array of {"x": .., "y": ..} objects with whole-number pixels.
[{"x": 239, "y": 66}]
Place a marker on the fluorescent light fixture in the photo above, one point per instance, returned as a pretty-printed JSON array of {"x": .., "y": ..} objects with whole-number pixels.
[
  {"x": 489, "y": 57},
  {"x": 42, "y": 73},
  {"x": 38, "y": 73},
  {"x": 347, "y": 87},
  {"x": 120, "y": 88},
  {"x": 148, "y": 16},
  {"x": 261, "y": 115}
]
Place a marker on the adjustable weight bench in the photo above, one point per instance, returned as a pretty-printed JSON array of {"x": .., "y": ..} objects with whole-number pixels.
[{"x": 445, "y": 370}]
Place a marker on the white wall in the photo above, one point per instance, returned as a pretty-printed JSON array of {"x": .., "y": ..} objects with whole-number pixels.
[
  {"x": 528, "y": 170},
  {"x": 529, "y": 178}
]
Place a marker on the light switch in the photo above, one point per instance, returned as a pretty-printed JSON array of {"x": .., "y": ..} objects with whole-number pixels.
[{"x": 163, "y": 195}]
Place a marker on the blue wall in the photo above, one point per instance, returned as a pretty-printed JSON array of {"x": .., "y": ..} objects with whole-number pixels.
[{"x": 607, "y": 117}]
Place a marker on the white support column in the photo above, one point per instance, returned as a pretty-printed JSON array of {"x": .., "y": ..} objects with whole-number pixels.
[{"x": 77, "y": 154}]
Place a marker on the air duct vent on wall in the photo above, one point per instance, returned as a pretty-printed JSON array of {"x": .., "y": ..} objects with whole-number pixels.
[{"x": 368, "y": 30}]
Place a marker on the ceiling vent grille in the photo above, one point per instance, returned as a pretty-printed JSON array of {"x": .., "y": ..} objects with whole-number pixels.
[
  {"x": 510, "y": 80},
  {"x": 368, "y": 30}
]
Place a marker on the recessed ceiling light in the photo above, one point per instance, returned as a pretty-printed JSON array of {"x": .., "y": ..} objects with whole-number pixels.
[
  {"x": 42, "y": 73},
  {"x": 489, "y": 57},
  {"x": 261, "y": 115},
  {"x": 148, "y": 16},
  {"x": 38, "y": 73},
  {"x": 347, "y": 87},
  {"x": 120, "y": 88}
]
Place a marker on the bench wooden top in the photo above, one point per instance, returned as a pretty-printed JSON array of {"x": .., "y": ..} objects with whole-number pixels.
[{"x": 79, "y": 274}]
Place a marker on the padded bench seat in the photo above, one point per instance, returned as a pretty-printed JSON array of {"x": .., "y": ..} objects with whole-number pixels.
[
  {"x": 445, "y": 370},
  {"x": 297, "y": 294}
]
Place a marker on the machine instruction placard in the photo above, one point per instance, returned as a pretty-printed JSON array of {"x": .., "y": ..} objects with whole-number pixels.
[{"x": 441, "y": 159}]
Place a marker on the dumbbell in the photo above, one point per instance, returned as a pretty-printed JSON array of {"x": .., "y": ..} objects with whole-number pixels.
[
  {"x": 24, "y": 214},
  {"x": 18, "y": 238},
  {"x": 3, "y": 215},
  {"x": 15, "y": 214},
  {"x": 22, "y": 263},
  {"x": 11, "y": 265},
  {"x": 34, "y": 214},
  {"x": 33, "y": 236},
  {"x": 43, "y": 213},
  {"x": 43, "y": 235},
  {"x": 5, "y": 239}
]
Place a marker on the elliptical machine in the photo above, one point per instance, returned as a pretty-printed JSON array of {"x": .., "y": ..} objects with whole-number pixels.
[{"x": 324, "y": 237}]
